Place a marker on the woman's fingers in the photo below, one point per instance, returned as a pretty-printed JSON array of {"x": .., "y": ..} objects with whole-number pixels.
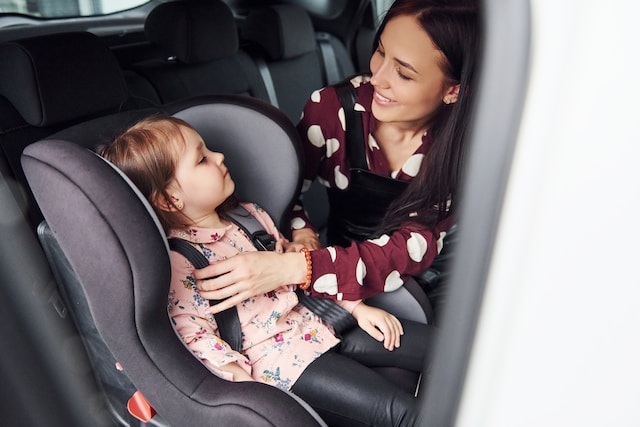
[{"x": 227, "y": 303}]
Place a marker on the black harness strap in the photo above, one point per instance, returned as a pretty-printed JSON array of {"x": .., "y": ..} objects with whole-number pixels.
[
  {"x": 228, "y": 321},
  {"x": 353, "y": 121}
]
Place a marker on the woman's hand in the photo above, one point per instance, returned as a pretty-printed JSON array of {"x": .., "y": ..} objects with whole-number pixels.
[
  {"x": 307, "y": 238},
  {"x": 381, "y": 325},
  {"x": 247, "y": 274}
]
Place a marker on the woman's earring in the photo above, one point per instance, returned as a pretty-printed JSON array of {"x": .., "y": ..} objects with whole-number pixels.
[
  {"x": 179, "y": 205},
  {"x": 446, "y": 100}
]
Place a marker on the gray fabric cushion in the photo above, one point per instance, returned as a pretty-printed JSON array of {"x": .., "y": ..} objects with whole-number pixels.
[
  {"x": 60, "y": 77},
  {"x": 109, "y": 236},
  {"x": 194, "y": 31},
  {"x": 284, "y": 31}
]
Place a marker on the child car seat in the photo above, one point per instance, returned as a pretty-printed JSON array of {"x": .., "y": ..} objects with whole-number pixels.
[
  {"x": 106, "y": 237},
  {"x": 111, "y": 257}
]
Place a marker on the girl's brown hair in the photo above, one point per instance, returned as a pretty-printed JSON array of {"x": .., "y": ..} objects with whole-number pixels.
[{"x": 148, "y": 154}]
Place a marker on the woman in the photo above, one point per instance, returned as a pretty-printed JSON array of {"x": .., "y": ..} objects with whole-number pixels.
[{"x": 415, "y": 111}]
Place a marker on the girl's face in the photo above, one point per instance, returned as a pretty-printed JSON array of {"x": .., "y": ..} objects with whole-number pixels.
[
  {"x": 202, "y": 181},
  {"x": 409, "y": 83}
]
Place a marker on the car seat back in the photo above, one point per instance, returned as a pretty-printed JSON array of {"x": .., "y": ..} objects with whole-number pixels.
[
  {"x": 107, "y": 235},
  {"x": 285, "y": 37},
  {"x": 48, "y": 83},
  {"x": 199, "y": 40}
]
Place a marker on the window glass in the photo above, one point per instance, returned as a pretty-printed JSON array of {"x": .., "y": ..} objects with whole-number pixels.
[{"x": 67, "y": 8}]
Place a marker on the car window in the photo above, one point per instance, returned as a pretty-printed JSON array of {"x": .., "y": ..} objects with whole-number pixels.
[{"x": 67, "y": 8}]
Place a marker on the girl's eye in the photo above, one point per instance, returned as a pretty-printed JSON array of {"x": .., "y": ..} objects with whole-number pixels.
[{"x": 203, "y": 159}]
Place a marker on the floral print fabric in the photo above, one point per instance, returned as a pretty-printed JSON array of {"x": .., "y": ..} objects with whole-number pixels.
[{"x": 280, "y": 336}]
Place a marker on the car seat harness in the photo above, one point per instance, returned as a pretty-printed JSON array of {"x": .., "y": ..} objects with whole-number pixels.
[{"x": 227, "y": 320}]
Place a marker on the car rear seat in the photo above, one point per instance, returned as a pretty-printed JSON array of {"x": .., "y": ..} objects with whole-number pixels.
[
  {"x": 48, "y": 83},
  {"x": 299, "y": 61},
  {"x": 285, "y": 35},
  {"x": 200, "y": 42}
]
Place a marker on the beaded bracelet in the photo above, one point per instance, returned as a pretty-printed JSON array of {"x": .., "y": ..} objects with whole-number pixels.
[{"x": 307, "y": 255}]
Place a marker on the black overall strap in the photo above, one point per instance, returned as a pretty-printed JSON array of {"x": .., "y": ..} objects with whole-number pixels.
[
  {"x": 228, "y": 321},
  {"x": 354, "y": 131},
  {"x": 326, "y": 309}
]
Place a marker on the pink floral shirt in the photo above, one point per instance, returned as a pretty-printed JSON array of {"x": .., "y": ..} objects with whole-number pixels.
[{"x": 280, "y": 336}]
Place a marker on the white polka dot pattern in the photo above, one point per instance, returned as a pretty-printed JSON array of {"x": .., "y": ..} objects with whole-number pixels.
[
  {"x": 315, "y": 96},
  {"x": 297, "y": 223},
  {"x": 332, "y": 146},
  {"x": 381, "y": 241},
  {"x": 361, "y": 271},
  {"x": 332, "y": 253},
  {"x": 341, "y": 118},
  {"x": 417, "y": 247},
  {"x": 341, "y": 180},
  {"x": 393, "y": 281},
  {"x": 373, "y": 144},
  {"x": 440, "y": 241},
  {"x": 315, "y": 135},
  {"x": 412, "y": 165},
  {"x": 326, "y": 284}
]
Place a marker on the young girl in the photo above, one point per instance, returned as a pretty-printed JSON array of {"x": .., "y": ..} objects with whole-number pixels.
[{"x": 283, "y": 343}]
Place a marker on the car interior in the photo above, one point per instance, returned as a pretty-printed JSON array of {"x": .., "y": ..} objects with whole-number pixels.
[
  {"x": 540, "y": 324},
  {"x": 239, "y": 71}
]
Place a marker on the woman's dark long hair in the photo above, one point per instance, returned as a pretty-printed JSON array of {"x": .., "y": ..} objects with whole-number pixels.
[{"x": 433, "y": 193}]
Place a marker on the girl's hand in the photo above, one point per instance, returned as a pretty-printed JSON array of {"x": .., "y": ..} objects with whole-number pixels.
[
  {"x": 234, "y": 369},
  {"x": 381, "y": 325},
  {"x": 281, "y": 245},
  {"x": 307, "y": 238}
]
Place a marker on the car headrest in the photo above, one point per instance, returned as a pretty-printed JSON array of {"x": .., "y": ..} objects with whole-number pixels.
[
  {"x": 194, "y": 31},
  {"x": 284, "y": 31},
  {"x": 60, "y": 77}
]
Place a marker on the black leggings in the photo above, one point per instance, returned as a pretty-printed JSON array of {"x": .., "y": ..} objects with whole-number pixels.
[{"x": 341, "y": 386}]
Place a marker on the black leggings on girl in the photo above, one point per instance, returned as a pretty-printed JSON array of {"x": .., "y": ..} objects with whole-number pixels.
[{"x": 341, "y": 386}]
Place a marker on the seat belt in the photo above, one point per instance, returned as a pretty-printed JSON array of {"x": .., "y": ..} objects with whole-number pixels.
[
  {"x": 263, "y": 68},
  {"x": 328, "y": 58}
]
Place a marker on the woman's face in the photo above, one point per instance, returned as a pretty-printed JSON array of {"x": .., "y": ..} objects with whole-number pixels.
[
  {"x": 407, "y": 77},
  {"x": 202, "y": 181}
]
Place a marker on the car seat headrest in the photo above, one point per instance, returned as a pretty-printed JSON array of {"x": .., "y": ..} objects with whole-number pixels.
[
  {"x": 60, "y": 77},
  {"x": 194, "y": 31},
  {"x": 284, "y": 31}
]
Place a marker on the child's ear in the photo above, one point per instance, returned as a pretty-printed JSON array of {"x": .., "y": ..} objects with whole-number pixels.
[
  {"x": 172, "y": 204},
  {"x": 451, "y": 95}
]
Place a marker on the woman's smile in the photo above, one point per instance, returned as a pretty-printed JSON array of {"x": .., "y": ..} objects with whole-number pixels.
[{"x": 382, "y": 100}]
